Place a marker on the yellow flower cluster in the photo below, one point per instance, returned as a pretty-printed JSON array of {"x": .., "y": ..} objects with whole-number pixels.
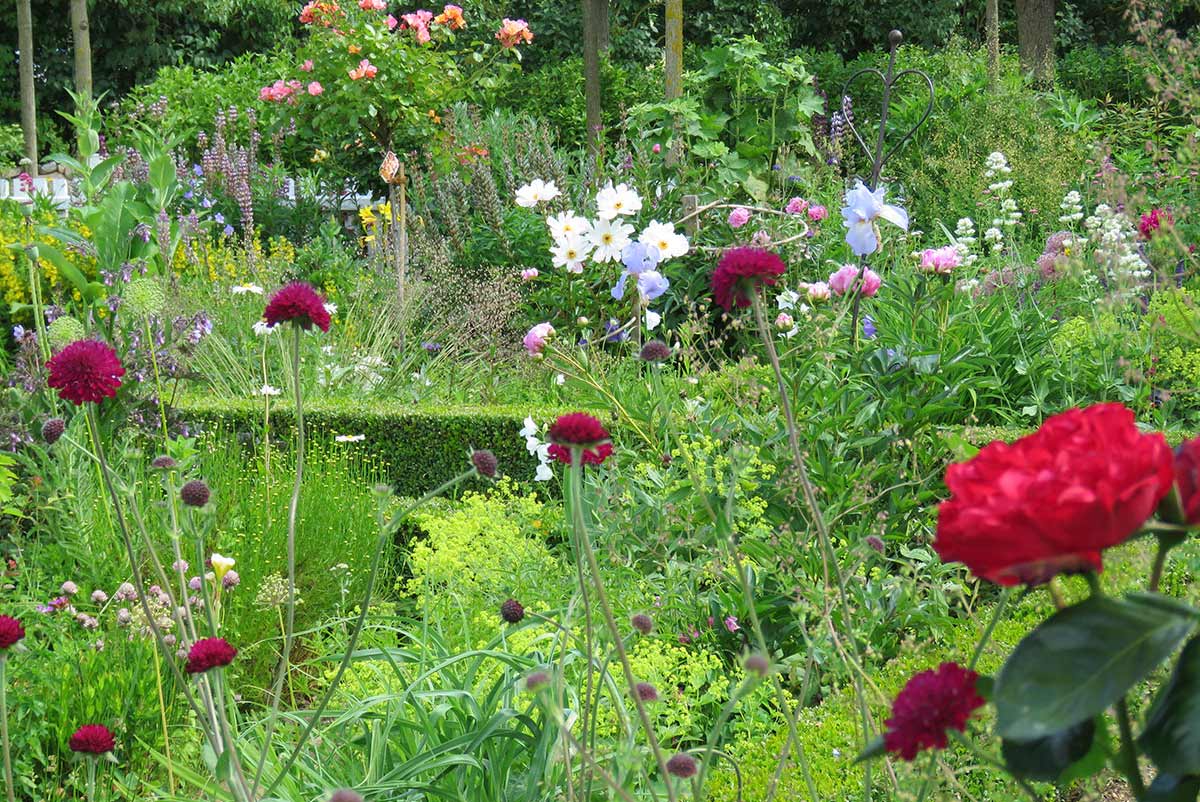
[{"x": 14, "y": 269}]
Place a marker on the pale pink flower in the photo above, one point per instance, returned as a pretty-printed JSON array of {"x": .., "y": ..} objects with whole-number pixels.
[
  {"x": 392, "y": 22},
  {"x": 419, "y": 22},
  {"x": 796, "y": 206},
  {"x": 365, "y": 69},
  {"x": 535, "y": 338},
  {"x": 818, "y": 291},
  {"x": 372, "y": 5},
  {"x": 817, "y": 213},
  {"x": 731, "y": 623},
  {"x": 784, "y": 321},
  {"x": 315, "y": 88},
  {"x": 842, "y": 281},
  {"x": 307, "y": 66},
  {"x": 739, "y": 217},
  {"x": 940, "y": 260},
  {"x": 657, "y": 148},
  {"x": 529, "y": 274}
]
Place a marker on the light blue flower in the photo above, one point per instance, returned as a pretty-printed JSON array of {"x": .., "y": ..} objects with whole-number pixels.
[
  {"x": 638, "y": 258},
  {"x": 228, "y": 231},
  {"x": 652, "y": 284},
  {"x": 863, "y": 207}
]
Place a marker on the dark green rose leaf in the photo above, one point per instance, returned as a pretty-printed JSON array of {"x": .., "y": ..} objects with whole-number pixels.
[
  {"x": 1173, "y": 788},
  {"x": 1172, "y": 734},
  {"x": 1047, "y": 758},
  {"x": 1081, "y": 660}
]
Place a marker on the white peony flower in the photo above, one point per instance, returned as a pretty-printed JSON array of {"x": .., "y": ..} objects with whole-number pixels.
[
  {"x": 567, "y": 225},
  {"x": 609, "y": 238},
  {"x": 570, "y": 253},
  {"x": 617, "y": 201},
  {"x": 535, "y": 192},
  {"x": 663, "y": 237}
]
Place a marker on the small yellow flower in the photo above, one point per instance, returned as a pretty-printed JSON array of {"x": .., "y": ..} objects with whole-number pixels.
[
  {"x": 221, "y": 564},
  {"x": 319, "y": 155}
]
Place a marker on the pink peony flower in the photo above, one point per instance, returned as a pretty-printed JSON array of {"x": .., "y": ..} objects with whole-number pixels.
[
  {"x": 784, "y": 321},
  {"x": 817, "y": 213},
  {"x": 940, "y": 260},
  {"x": 796, "y": 206},
  {"x": 535, "y": 338},
  {"x": 818, "y": 291},
  {"x": 529, "y": 274},
  {"x": 315, "y": 88},
  {"x": 842, "y": 281},
  {"x": 307, "y": 66},
  {"x": 739, "y": 217}
]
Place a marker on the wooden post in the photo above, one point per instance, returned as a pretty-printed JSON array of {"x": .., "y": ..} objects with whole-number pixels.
[
  {"x": 673, "y": 68},
  {"x": 690, "y": 204},
  {"x": 28, "y": 96},
  {"x": 595, "y": 14},
  {"x": 992, "y": 28},
  {"x": 82, "y": 40}
]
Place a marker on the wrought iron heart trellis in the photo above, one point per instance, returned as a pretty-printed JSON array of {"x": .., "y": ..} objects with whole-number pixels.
[{"x": 877, "y": 155}]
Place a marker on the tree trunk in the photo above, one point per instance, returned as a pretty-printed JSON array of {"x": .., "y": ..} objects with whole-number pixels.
[
  {"x": 1035, "y": 38},
  {"x": 82, "y": 39},
  {"x": 28, "y": 96},
  {"x": 992, "y": 29},
  {"x": 595, "y": 23},
  {"x": 673, "y": 66}
]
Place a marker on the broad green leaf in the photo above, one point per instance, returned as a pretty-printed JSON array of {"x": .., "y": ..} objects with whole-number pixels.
[
  {"x": 1172, "y": 733},
  {"x": 65, "y": 267},
  {"x": 1047, "y": 758},
  {"x": 1080, "y": 661}
]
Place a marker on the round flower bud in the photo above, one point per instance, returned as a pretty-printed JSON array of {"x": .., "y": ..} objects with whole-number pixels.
[
  {"x": 536, "y": 681},
  {"x": 92, "y": 739},
  {"x": 144, "y": 297},
  {"x": 682, "y": 764},
  {"x": 655, "y": 351},
  {"x": 757, "y": 664},
  {"x": 64, "y": 331},
  {"x": 512, "y": 611},
  {"x": 195, "y": 493},
  {"x": 52, "y": 430},
  {"x": 345, "y": 795},
  {"x": 164, "y": 463},
  {"x": 485, "y": 463},
  {"x": 646, "y": 692},
  {"x": 642, "y": 623}
]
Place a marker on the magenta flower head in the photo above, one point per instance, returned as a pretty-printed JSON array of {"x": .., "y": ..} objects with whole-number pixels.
[
  {"x": 209, "y": 653},
  {"x": 642, "y": 623},
  {"x": 52, "y": 430},
  {"x": 92, "y": 739},
  {"x": 740, "y": 272},
  {"x": 298, "y": 303},
  {"x": 485, "y": 463},
  {"x": 682, "y": 764},
  {"x": 512, "y": 611},
  {"x": 345, "y": 795},
  {"x": 11, "y": 631},
  {"x": 85, "y": 372},
  {"x": 579, "y": 429},
  {"x": 646, "y": 692},
  {"x": 931, "y": 703}
]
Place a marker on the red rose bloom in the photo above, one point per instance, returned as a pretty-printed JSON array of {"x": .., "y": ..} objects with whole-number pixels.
[
  {"x": 208, "y": 653},
  {"x": 739, "y": 273},
  {"x": 1187, "y": 479},
  {"x": 931, "y": 703},
  {"x": 92, "y": 739},
  {"x": 11, "y": 631},
  {"x": 300, "y": 303},
  {"x": 1051, "y": 502},
  {"x": 85, "y": 372},
  {"x": 579, "y": 429}
]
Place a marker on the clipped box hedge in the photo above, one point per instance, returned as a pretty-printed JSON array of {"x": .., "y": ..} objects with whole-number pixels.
[{"x": 419, "y": 447}]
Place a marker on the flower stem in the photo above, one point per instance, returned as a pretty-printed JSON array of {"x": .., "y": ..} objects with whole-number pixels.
[
  {"x": 162, "y": 713},
  {"x": 8, "y": 775},
  {"x": 91, "y": 779},
  {"x": 1129, "y": 751},
  {"x": 582, "y": 541},
  {"x": 1160, "y": 561},
  {"x": 991, "y": 628},
  {"x": 290, "y": 618}
]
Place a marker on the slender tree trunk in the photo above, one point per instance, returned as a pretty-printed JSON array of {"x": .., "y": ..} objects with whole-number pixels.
[
  {"x": 595, "y": 24},
  {"x": 992, "y": 29},
  {"x": 673, "y": 66},
  {"x": 28, "y": 96},
  {"x": 1035, "y": 38},
  {"x": 82, "y": 39}
]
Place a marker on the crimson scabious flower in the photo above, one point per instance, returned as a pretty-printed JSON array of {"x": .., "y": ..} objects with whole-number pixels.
[
  {"x": 52, "y": 430},
  {"x": 92, "y": 739},
  {"x": 512, "y": 611},
  {"x": 299, "y": 303},
  {"x": 1051, "y": 502},
  {"x": 642, "y": 623},
  {"x": 11, "y": 631},
  {"x": 578, "y": 429},
  {"x": 485, "y": 463},
  {"x": 85, "y": 372},
  {"x": 195, "y": 493},
  {"x": 209, "y": 653},
  {"x": 931, "y": 703},
  {"x": 646, "y": 692},
  {"x": 682, "y": 764},
  {"x": 739, "y": 273}
]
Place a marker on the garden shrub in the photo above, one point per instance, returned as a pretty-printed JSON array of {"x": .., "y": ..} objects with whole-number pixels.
[{"x": 418, "y": 447}]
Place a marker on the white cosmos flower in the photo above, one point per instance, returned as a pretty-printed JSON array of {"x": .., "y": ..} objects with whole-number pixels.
[
  {"x": 350, "y": 438},
  {"x": 535, "y": 192},
  {"x": 566, "y": 225},
  {"x": 609, "y": 237},
  {"x": 242, "y": 289},
  {"x": 262, "y": 329},
  {"x": 615, "y": 201},
  {"x": 663, "y": 237},
  {"x": 570, "y": 253},
  {"x": 267, "y": 390}
]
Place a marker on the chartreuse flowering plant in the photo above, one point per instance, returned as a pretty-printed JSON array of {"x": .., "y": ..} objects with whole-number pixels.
[{"x": 1027, "y": 513}]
